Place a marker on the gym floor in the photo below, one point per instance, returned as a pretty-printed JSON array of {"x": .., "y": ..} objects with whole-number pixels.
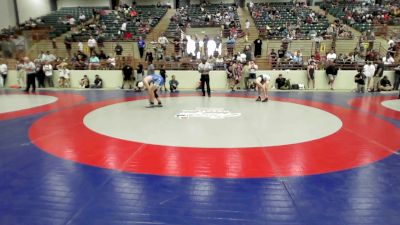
[{"x": 83, "y": 157}]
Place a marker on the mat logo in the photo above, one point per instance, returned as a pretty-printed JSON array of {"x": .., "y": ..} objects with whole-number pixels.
[{"x": 209, "y": 113}]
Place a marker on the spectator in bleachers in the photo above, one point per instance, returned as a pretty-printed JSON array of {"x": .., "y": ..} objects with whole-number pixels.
[
  {"x": 392, "y": 49},
  {"x": 388, "y": 59},
  {"x": 230, "y": 45},
  {"x": 101, "y": 55},
  {"x": 71, "y": 21},
  {"x": 141, "y": 46},
  {"x": 68, "y": 45},
  {"x": 257, "y": 47},
  {"x": 273, "y": 55},
  {"x": 92, "y": 43},
  {"x": 7, "y": 47},
  {"x": 118, "y": 49},
  {"x": 94, "y": 62},
  {"x": 331, "y": 56},
  {"x": 82, "y": 18},
  {"x": 80, "y": 46},
  {"x": 163, "y": 41},
  {"x": 50, "y": 57}
]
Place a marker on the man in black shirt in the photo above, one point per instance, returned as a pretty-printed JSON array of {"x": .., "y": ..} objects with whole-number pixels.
[
  {"x": 331, "y": 71},
  {"x": 385, "y": 85},
  {"x": 281, "y": 54},
  {"x": 98, "y": 82},
  {"x": 359, "y": 78},
  {"x": 378, "y": 75},
  {"x": 118, "y": 49},
  {"x": 127, "y": 72},
  {"x": 68, "y": 45},
  {"x": 282, "y": 83}
]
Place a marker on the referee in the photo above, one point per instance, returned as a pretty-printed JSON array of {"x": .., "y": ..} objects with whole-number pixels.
[
  {"x": 30, "y": 70},
  {"x": 204, "y": 69}
]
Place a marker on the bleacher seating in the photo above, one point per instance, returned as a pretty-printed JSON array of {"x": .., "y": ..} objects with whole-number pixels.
[
  {"x": 287, "y": 17},
  {"x": 113, "y": 21},
  {"x": 197, "y": 18},
  {"x": 59, "y": 28}
]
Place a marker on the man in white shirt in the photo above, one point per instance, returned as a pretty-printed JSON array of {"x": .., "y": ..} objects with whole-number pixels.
[
  {"x": 331, "y": 56},
  {"x": 82, "y": 17},
  {"x": 123, "y": 28},
  {"x": 92, "y": 44},
  {"x": 163, "y": 41},
  {"x": 80, "y": 46},
  {"x": 369, "y": 70},
  {"x": 204, "y": 69},
  {"x": 50, "y": 57},
  {"x": 72, "y": 21},
  {"x": 48, "y": 71},
  {"x": 391, "y": 41},
  {"x": 3, "y": 72},
  {"x": 388, "y": 59},
  {"x": 247, "y": 25}
]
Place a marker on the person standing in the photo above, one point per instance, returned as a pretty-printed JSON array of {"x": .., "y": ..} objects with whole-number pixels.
[
  {"x": 92, "y": 44},
  {"x": 396, "y": 78},
  {"x": 359, "y": 79},
  {"x": 127, "y": 72},
  {"x": 252, "y": 75},
  {"x": 30, "y": 68},
  {"x": 378, "y": 75},
  {"x": 311, "y": 75},
  {"x": 247, "y": 26},
  {"x": 369, "y": 70},
  {"x": 257, "y": 47},
  {"x": 140, "y": 72},
  {"x": 204, "y": 69},
  {"x": 150, "y": 68},
  {"x": 48, "y": 71},
  {"x": 21, "y": 74},
  {"x": 163, "y": 74},
  {"x": 80, "y": 46},
  {"x": 141, "y": 46},
  {"x": 40, "y": 76},
  {"x": 3, "y": 72},
  {"x": 68, "y": 45},
  {"x": 331, "y": 71}
]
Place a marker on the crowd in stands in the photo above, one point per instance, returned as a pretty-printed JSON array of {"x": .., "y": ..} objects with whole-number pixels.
[
  {"x": 206, "y": 15},
  {"x": 294, "y": 20},
  {"x": 126, "y": 22}
]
